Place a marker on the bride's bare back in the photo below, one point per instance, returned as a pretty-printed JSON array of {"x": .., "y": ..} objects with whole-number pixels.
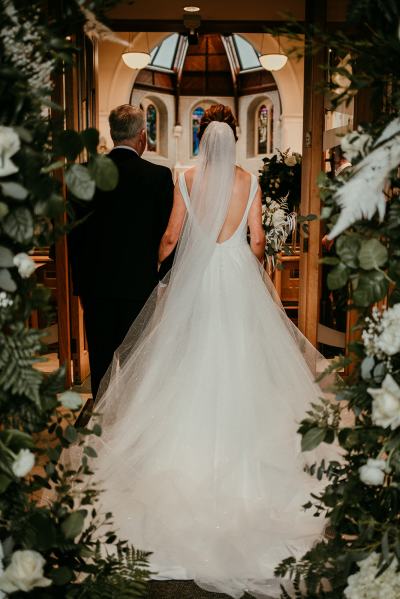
[{"x": 236, "y": 210}]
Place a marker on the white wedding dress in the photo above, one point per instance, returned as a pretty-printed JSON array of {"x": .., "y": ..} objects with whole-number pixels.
[{"x": 199, "y": 458}]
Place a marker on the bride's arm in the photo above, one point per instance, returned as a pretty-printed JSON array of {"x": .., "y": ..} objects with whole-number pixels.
[
  {"x": 174, "y": 227},
  {"x": 257, "y": 234}
]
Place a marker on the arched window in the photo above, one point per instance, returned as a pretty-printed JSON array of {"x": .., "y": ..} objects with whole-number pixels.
[
  {"x": 152, "y": 128},
  {"x": 196, "y": 118},
  {"x": 264, "y": 129}
]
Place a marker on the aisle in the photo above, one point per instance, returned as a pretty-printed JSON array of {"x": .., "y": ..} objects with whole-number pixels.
[{"x": 182, "y": 589}]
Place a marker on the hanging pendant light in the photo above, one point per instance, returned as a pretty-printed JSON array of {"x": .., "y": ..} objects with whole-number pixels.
[
  {"x": 273, "y": 61},
  {"x": 137, "y": 60}
]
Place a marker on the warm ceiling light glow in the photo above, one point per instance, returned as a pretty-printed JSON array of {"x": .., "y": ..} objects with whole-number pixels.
[
  {"x": 273, "y": 62},
  {"x": 136, "y": 60},
  {"x": 191, "y": 9}
]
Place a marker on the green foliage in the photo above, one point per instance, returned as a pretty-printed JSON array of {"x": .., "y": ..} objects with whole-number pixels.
[{"x": 66, "y": 529}]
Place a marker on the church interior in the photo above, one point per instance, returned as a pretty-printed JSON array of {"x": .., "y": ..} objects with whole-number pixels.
[{"x": 199, "y": 56}]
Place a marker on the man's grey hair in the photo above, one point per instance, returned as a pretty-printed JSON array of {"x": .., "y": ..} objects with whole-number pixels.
[{"x": 126, "y": 122}]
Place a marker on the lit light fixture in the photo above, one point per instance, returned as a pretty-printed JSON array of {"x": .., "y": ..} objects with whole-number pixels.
[
  {"x": 273, "y": 61},
  {"x": 191, "y": 8},
  {"x": 136, "y": 59}
]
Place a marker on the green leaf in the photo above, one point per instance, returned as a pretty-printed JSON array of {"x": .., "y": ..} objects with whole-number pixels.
[
  {"x": 89, "y": 451},
  {"x": 90, "y": 138},
  {"x": 372, "y": 287},
  {"x": 79, "y": 182},
  {"x": 4, "y": 210},
  {"x": 4, "y": 482},
  {"x": 372, "y": 254},
  {"x": 6, "y": 281},
  {"x": 73, "y": 524},
  {"x": 14, "y": 190},
  {"x": 312, "y": 438},
  {"x": 347, "y": 248},
  {"x": 69, "y": 144},
  {"x": 6, "y": 257},
  {"x": 104, "y": 172},
  {"x": 61, "y": 576},
  {"x": 70, "y": 434},
  {"x": 331, "y": 260},
  {"x": 18, "y": 225},
  {"x": 366, "y": 366},
  {"x": 338, "y": 276}
]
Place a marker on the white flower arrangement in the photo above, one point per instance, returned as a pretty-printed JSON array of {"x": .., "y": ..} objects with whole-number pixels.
[
  {"x": 24, "y": 573},
  {"x": 5, "y": 301},
  {"x": 23, "y": 463},
  {"x": 21, "y": 41},
  {"x": 278, "y": 224},
  {"x": 25, "y": 265},
  {"x": 9, "y": 145},
  {"x": 356, "y": 144},
  {"x": 366, "y": 585},
  {"x": 373, "y": 472},
  {"x": 386, "y": 403},
  {"x": 381, "y": 335}
]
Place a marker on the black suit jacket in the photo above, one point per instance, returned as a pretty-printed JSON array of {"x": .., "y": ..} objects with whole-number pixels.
[{"x": 114, "y": 252}]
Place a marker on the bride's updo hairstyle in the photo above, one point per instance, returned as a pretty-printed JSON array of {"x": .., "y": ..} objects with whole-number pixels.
[{"x": 217, "y": 112}]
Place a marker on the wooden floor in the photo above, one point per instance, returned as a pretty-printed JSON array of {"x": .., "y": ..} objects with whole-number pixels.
[{"x": 182, "y": 589}]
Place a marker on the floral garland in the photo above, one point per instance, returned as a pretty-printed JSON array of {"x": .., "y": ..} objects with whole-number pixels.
[
  {"x": 360, "y": 556},
  {"x": 47, "y": 550}
]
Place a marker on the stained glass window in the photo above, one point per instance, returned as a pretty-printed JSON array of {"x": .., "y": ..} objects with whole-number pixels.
[
  {"x": 152, "y": 133},
  {"x": 262, "y": 130},
  {"x": 196, "y": 118},
  {"x": 265, "y": 139}
]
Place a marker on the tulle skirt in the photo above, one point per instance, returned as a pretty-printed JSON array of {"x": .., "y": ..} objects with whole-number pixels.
[{"x": 201, "y": 463}]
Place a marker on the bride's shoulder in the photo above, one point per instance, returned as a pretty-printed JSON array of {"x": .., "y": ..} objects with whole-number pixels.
[{"x": 242, "y": 174}]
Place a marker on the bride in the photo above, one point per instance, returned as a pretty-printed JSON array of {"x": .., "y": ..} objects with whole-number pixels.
[{"x": 199, "y": 457}]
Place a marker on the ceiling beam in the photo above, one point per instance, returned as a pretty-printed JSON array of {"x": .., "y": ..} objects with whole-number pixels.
[{"x": 154, "y": 25}]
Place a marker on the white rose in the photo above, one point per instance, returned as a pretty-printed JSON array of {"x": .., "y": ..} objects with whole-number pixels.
[
  {"x": 23, "y": 463},
  {"x": 25, "y": 265},
  {"x": 386, "y": 403},
  {"x": 389, "y": 340},
  {"x": 278, "y": 217},
  {"x": 24, "y": 573},
  {"x": 70, "y": 400},
  {"x": 354, "y": 144},
  {"x": 290, "y": 160},
  {"x": 373, "y": 472},
  {"x": 9, "y": 145}
]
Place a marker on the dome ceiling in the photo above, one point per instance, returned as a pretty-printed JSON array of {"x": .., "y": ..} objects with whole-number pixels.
[{"x": 217, "y": 65}]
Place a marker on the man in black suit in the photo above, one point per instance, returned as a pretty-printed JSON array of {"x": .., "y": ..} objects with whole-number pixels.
[{"x": 114, "y": 252}]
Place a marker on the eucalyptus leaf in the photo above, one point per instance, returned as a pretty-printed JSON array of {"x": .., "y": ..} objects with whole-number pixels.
[
  {"x": 371, "y": 287},
  {"x": 372, "y": 254},
  {"x": 73, "y": 524},
  {"x": 4, "y": 210},
  {"x": 366, "y": 367},
  {"x": 312, "y": 438},
  {"x": 90, "y": 138},
  {"x": 69, "y": 144},
  {"x": 6, "y": 257},
  {"x": 104, "y": 172},
  {"x": 6, "y": 281},
  {"x": 79, "y": 182},
  {"x": 18, "y": 225},
  {"x": 14, "y": 190},
  {"x": 61, "y": 576},
  {"x": 338, "y": 276},
  {"x": 347, "y": 248},
  {"x": 379, "y": 372},
  {"x": 4, "y": 482}
]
